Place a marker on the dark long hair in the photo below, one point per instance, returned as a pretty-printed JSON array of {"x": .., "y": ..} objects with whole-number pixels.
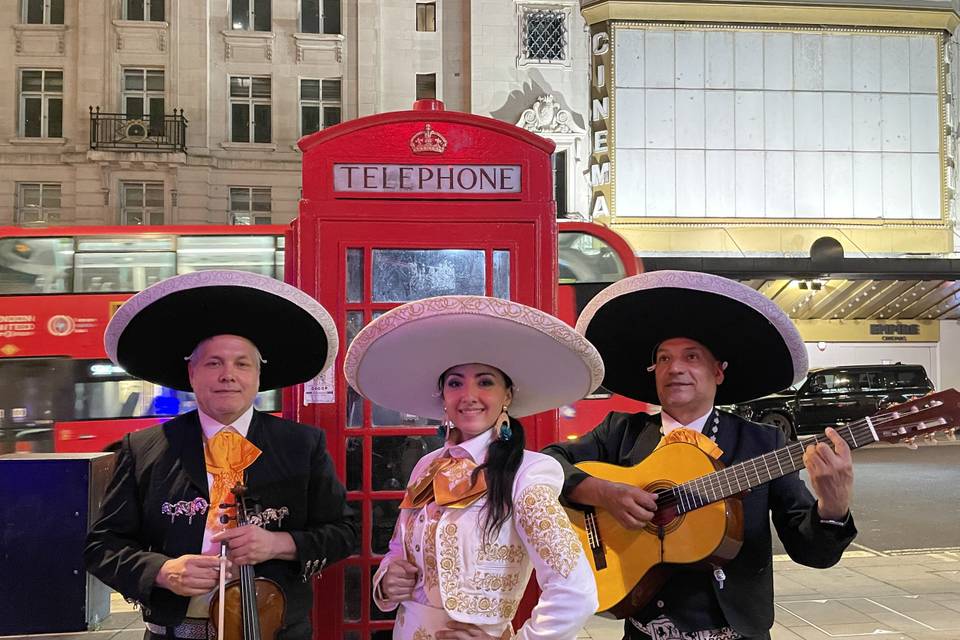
[{"x": 503, "y": 460}]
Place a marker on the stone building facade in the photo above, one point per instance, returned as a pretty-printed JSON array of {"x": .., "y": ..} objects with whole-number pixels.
[{"x": 182, "y": 112}]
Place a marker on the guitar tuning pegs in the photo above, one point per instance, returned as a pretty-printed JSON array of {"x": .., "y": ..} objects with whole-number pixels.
[
  {"x": 911, "y": 444},
  {"x": 951, "y": 434},
  {"x": 931, "y": 438}
]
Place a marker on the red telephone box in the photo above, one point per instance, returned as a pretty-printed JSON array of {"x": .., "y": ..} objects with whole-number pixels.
[{"x": 398, "y": 207}]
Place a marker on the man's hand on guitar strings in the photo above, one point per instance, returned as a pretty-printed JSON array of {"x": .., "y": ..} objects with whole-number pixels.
[
  {"x": 631, "y": 506},
  {"x": 831, "y": 475}
]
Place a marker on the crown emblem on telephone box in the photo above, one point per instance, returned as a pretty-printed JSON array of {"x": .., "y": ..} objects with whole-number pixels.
[{"x": 428, "y": 141}]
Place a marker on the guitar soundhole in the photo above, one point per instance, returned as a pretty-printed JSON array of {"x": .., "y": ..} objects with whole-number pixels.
[{"x": 666, "y": 518}]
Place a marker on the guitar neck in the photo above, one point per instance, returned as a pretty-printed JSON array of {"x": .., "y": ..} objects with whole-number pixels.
[{"x": 754, "y": 472}]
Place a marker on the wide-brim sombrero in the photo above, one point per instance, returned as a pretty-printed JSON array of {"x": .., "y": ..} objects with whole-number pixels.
[
  {"x": 396, "y": 361},
  {"x": 627, "y": 320},
  {"x": 152, "y": 332}
]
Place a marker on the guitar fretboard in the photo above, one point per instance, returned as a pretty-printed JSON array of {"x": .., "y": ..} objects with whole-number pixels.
[{"x": 751, "y": 473}]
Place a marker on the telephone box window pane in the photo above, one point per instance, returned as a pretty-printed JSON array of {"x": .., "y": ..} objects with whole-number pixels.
[
  {"x": 402, "y": 275},
  {"x": 354, "y": 275},
  {"x": 353, "y": 635},
  {"x": 394, "y": 458},
  {"x": 501, "y": 274},
  {"x": 385, "y": 513},
  {"x": 351, "y": 593},
  {"x": 356, "y": 506},
  {"x": 354, "y": 464}
]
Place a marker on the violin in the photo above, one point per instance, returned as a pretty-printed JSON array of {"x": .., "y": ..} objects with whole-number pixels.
[{"x": 253, "y": 606}]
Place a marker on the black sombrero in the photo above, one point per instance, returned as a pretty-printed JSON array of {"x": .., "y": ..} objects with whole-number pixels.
[
  {"x": 152, "y": 333},
  {"x": 627, "y": 320}
]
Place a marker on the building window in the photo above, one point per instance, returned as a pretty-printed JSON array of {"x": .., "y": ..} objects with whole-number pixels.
[
  {"x": 249, "y": 205},
  {"x": 426, "y": 16},
  {"x": 42, "y": 12},
  {"x": 41, "y": 103},
  {"x": 148, "y": 10},
  {"x": 319, "y": 104},
  {"x": 426, "y": 85},
  {"x": 312, "y": 20},
  {"x": 143, "y": 95},
  {"x": 38, "y": 203},
  {"x": 559, "y": 162},
  {"x": 249, "y": 109},
  {"x": 543, "y": 37},
  {"x": 250, "y": 15},
  {"x": 141, "y": 203}
]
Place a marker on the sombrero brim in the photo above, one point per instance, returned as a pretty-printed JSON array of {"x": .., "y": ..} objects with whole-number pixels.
[
  {"x": 397, "y": 360},
  {"x": 627, "y": 320},
  {"x": 152, "y": 333}
]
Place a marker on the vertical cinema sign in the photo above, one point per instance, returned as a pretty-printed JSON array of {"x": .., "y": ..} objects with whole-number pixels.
[{"x": 601, "y": 57}]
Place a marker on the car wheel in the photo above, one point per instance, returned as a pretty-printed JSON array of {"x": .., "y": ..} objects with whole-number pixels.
[{"x": 780, "y": 421}]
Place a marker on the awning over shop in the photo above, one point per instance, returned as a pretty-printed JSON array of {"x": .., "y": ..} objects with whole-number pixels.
[{"x": 841, "y": 288}]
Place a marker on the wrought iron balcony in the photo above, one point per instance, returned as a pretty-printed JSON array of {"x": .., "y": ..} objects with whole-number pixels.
[{"x": 123, "y": 132}]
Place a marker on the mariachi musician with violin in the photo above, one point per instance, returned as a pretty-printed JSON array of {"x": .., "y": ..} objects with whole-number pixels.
[
  {"x": 687, "y": 342},
  {"x": 168, "y": 535}
]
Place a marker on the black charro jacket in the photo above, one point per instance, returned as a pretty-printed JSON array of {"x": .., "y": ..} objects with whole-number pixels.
[
  {"x": 132, "y": 538},
  {"x": 746, "y": 599}
]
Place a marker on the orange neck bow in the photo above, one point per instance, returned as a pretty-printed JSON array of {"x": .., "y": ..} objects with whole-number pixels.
[
  {"x": 450, "y": 482},
  {"x": 227, "y": 454}
]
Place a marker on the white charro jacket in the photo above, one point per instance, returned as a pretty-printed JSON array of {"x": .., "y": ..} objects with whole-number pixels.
[{"x": 482, "y": 584}]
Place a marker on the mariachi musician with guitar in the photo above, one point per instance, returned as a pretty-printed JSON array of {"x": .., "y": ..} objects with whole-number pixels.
[
  {"x": 677, "y": 532},
  {"x": 223, "y": 489}
]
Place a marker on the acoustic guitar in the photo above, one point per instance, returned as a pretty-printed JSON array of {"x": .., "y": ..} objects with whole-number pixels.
[{"x": 699, "y": 517}]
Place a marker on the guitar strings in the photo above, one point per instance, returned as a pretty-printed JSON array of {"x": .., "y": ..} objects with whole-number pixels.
[{"x": 695, "y": 493}]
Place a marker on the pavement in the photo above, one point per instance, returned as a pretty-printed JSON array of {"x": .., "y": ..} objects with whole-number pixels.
[{"x": 907, "y": 594}]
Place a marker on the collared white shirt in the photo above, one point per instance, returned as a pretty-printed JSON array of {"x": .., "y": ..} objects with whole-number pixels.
[{"x": 668, "y": 423}]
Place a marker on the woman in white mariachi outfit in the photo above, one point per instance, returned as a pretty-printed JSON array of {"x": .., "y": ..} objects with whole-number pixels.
[{"x": 481, "y": 512}]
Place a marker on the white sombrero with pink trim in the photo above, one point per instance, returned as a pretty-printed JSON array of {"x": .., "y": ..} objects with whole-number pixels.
[{"x": 396, "y": 361}]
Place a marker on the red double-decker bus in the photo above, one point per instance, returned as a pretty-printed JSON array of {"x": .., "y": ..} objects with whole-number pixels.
[{"x": 59, "y": 287}]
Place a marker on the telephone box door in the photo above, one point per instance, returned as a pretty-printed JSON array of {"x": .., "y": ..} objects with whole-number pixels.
[{"x": 376, "y": 448}]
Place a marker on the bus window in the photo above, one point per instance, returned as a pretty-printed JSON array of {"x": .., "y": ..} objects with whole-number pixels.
[
  {"x": 587, "y": 258},
  {"x": 103, "y": 390},
  {"x": 245, "y": 253},
  {"x": 36, "y": 265},
  {"x": 131, "y": 271}
]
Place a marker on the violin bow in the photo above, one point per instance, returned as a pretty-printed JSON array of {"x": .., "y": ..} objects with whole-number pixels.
[{"x": 223, "y": 580}]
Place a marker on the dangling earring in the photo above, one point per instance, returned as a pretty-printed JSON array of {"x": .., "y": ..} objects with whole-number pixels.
[
  {"x": 443, "y": 429},
  {"x": 504, "y": 432}
]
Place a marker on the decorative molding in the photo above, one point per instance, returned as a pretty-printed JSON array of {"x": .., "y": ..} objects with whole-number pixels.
[
  {"x": 38, "y": 33},
  {"x": 320, "y": 42},
  {"x": 141, "y": 31},
  {"x": 234, "y": 40},
  {"x": 546, "y": 117}
]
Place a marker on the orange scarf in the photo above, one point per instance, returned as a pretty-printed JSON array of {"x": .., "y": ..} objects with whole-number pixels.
[
  {"x": 227, "y": 454},
  {"x": 449, "y": 482}
]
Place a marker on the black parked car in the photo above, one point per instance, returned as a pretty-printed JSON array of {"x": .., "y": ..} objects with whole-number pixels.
[{"x": 838, "y": 395}]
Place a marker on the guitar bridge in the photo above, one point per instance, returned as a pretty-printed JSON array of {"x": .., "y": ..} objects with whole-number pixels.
[{"x": 593, "y": 537}]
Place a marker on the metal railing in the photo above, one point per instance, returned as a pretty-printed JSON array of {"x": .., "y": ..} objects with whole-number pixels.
[{"x": 138, "y": 133}]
